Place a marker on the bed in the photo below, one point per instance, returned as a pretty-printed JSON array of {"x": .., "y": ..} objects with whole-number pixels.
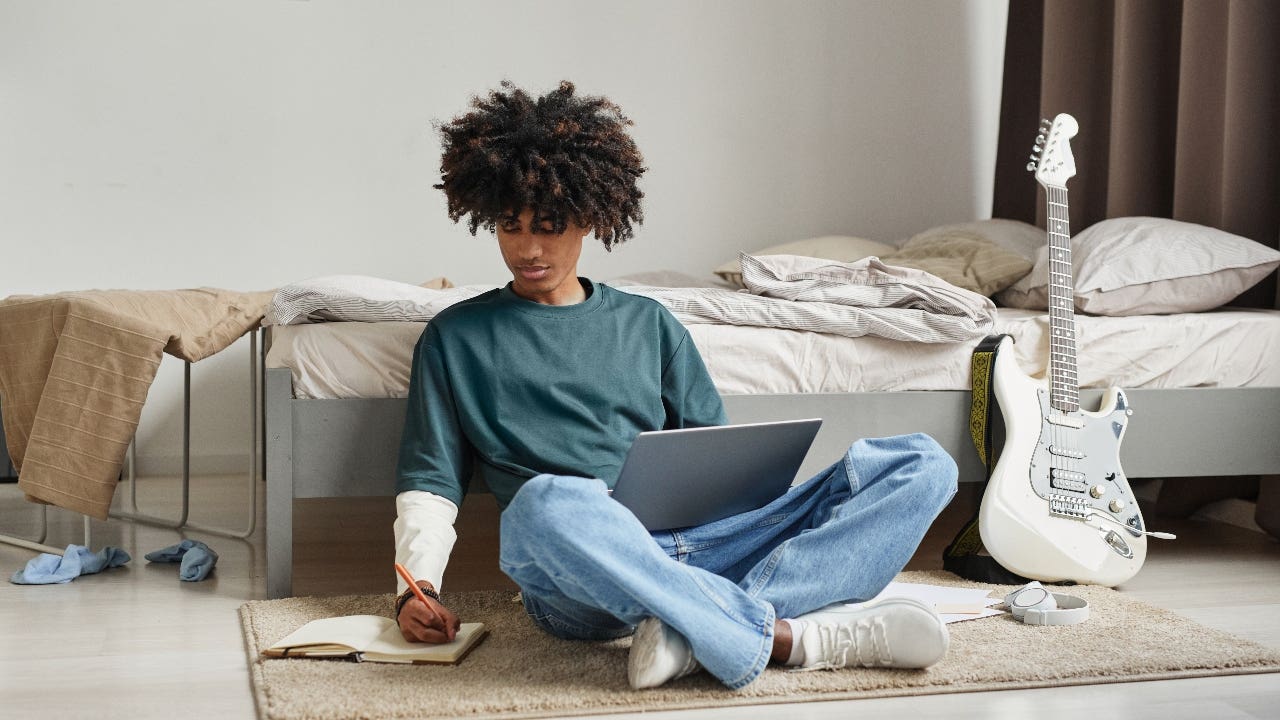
[{"x": 1205, "y": 387}]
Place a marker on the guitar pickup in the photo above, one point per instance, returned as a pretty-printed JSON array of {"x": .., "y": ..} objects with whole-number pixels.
[
  {"x": 1066, "y": 452},
  {"x": 1068, "y": 480}
]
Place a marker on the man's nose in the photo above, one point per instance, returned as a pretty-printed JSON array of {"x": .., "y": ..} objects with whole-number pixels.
[{"x": 530, "y": 246}]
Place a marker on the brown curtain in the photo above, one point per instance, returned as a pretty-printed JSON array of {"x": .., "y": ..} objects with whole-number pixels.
[{"x": 1178, "y": 104}]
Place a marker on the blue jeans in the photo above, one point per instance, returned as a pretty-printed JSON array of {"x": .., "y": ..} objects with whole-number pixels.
[{"x": 589, "y": 570}]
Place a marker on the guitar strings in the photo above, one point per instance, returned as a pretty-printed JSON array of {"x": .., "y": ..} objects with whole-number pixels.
[{"x": 1061, "y": 325}]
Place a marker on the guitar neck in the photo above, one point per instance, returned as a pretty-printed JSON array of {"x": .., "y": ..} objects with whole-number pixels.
[{"x": 1064, "y": 387}]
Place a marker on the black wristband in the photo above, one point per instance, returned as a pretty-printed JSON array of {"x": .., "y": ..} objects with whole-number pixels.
[{"x": 408, "y": 593}]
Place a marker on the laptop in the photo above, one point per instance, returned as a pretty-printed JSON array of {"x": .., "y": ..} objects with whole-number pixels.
[{"x": 681, "y": 478}]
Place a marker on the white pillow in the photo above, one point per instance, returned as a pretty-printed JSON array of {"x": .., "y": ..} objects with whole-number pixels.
[
  {"x": 1150, "y": 266},
  {"x": 842, "y": 248},
  {"x": 360, "y": 298}
]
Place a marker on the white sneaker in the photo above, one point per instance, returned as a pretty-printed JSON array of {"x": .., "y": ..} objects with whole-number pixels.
[
  {"x": 658, "y": 655},
  {"x": 891, "y": 632}
]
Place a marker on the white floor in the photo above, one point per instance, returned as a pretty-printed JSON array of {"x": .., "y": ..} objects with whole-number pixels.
[{"x": 135, "y": 642}]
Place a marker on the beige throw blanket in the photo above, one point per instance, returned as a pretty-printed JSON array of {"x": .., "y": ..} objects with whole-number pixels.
[{"x": 75, "y": 368}]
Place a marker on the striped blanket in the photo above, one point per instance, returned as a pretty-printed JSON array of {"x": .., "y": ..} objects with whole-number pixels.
[
  {"x": 75, "y": 369},
  {"x": 865, "y": 297},
  {"x": 783, "y": 291}
]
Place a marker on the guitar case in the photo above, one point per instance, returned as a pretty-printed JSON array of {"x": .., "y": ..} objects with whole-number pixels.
[{"x": 966, "y": 556}]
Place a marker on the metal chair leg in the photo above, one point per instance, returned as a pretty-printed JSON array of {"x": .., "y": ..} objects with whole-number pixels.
[
  {"x": 38, "y": 542},
  {"x": 257, "y": 368},
  {"x": 182, "y": 523}
]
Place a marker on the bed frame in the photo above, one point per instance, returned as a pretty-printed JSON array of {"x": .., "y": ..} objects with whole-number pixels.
[{"x": 348, "y": 448}]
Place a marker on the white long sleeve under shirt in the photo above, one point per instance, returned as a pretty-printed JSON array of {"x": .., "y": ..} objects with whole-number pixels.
[{"x": 424, "y": 535}]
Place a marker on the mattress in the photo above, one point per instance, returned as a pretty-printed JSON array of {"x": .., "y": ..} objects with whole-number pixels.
[{"x": 1222, "y": 348}]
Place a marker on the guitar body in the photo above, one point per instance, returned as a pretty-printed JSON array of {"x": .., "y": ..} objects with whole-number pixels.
[{"x": 1058, "y": 505}]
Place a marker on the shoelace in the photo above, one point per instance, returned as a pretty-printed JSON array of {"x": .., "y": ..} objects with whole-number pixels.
[{"x": 861, "y": 637}]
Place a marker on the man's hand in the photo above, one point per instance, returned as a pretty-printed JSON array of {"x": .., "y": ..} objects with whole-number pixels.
[{"x": 427, "y": 623}]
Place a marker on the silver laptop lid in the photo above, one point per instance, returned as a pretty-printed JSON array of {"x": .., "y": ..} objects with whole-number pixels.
[{"x": 682, "y": 478}]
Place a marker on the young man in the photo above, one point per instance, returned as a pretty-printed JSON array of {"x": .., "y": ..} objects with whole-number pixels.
[{"x": 542, "y": 385}]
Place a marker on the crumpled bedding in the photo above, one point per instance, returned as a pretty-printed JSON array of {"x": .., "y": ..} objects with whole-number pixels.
[
  {"x": 865, "y": 297},
  {"x": 789, "y": 292},
  {"x": 75, "y": 369}
]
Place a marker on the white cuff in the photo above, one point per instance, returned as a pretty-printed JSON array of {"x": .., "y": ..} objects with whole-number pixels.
[{"x": 424, "y": 536}]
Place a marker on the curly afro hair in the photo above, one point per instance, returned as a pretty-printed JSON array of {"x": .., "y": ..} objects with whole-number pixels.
[{"x": 562, "y": 155}]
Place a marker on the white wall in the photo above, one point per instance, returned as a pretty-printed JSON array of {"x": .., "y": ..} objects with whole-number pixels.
[{"x": 245, "y": 144}]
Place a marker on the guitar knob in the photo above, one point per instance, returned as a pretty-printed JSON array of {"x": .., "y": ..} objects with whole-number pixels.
[
  {"x": 1098, "y": 490},
  {"x": 1116, "y": 505}
]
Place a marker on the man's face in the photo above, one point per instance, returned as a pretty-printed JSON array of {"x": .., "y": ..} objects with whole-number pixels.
[{"x": 544, "y": 265}]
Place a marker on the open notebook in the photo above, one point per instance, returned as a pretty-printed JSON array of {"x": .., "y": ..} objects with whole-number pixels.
[{"x": 372, "y": 638}]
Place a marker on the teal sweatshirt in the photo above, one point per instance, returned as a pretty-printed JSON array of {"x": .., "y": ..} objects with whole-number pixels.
[{"x": 511, "y": 388}]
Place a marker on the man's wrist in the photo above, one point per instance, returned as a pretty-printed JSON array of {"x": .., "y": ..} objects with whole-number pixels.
[{"x": 427, "y": 589}]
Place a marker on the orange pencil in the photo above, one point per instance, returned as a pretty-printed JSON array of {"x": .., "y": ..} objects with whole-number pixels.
[{"x": 413, "y": 584}]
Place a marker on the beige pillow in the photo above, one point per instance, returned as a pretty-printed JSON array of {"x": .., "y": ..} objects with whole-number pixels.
[
  {"x": 841, "y": 248},
  {"x": 437, "y": 283},
  {"x": 962, "y": 259},
  {"x": 1150, "y": 266},
  {"x": 1015, "y": 236}
]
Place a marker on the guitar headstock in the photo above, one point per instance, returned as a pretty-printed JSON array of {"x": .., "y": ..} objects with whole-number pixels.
[{"x": 1051, "y": 159}]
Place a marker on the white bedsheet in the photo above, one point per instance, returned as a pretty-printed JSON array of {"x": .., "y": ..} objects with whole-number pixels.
[{"x": 1225, "y": 348}]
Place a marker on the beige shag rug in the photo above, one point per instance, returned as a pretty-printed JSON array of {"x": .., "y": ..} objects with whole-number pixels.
[{"x": 521, "y": 672}]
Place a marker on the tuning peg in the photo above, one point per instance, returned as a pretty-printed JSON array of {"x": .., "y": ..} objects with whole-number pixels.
[
  {"x": 1031, "y": 167},
  {"x": 1044, "y": 122},
  {"x": 1034, "y": 158},
  {"x": 1040, "y": 139}
]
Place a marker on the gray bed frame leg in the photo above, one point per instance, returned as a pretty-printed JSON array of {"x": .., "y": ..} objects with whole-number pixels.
[{"x": 278, "y": 529}]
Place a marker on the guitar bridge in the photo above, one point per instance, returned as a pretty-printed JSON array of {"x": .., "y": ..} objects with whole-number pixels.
[{"x": 1069, "y": 507}]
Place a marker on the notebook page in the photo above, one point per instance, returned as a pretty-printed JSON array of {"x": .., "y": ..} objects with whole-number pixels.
[
  {"x": 391, "y": 643},
  {"x": 353, "y": 631}
]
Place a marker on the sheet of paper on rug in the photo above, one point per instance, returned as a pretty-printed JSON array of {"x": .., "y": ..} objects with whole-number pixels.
[
  {"x": 372, "y": 638},
  {"x": 947, "y": 598}
]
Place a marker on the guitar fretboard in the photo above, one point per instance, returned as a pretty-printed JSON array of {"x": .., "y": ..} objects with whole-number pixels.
[{"x": 1064, "y": 387}]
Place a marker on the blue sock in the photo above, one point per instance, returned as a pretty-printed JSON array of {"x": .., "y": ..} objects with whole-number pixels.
[
  {"x": 49, "y": 569},
  {"x": 197, "y": 563},
  {"x": 197, "y": 559}
]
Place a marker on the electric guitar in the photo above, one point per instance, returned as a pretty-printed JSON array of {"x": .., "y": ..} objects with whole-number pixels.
[{"x": 1058, "y": 505}]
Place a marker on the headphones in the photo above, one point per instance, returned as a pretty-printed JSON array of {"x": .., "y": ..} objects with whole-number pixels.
[{"x": 1034, "y": 605}]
